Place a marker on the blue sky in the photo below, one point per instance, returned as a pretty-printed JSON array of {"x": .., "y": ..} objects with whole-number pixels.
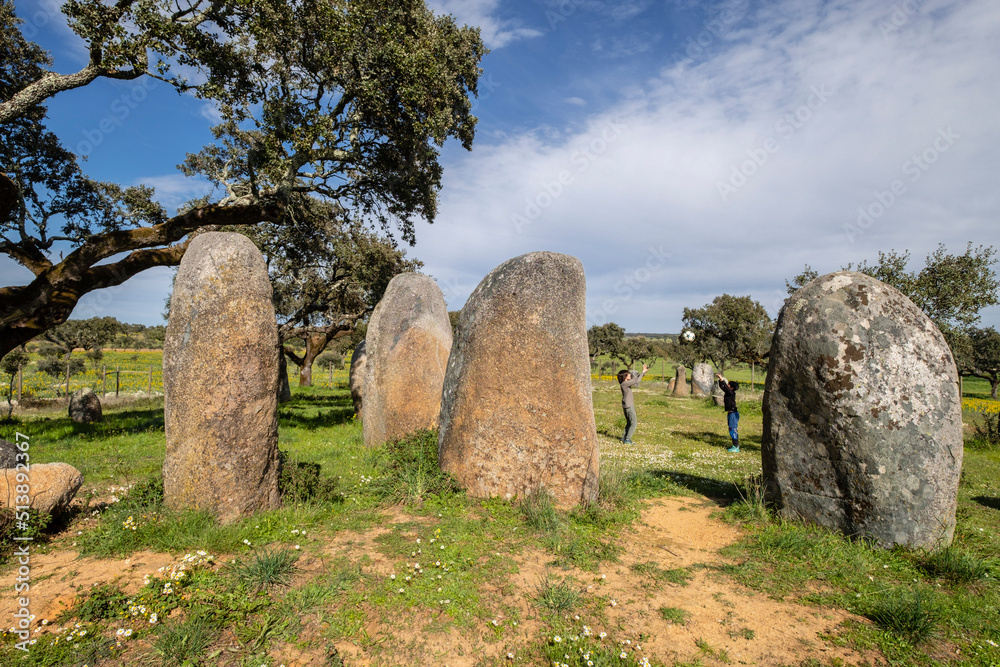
[{"x": 680, "y": 149}]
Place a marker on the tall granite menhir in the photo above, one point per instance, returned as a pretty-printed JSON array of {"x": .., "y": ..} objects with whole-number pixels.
[
  {"x": 406, "y": 347},
  {"x": 220, "y": 382},
  {"x": 517, "y": 412},
  {"x": 862, "y": 416}
]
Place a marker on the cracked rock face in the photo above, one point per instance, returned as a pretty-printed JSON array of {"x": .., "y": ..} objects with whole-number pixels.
[
  {"x": 517, "y": 412},
  {"x": 406, "y": 349},
  {"x": 220, "y": 381},
  {"x": 862, "y": 414}
]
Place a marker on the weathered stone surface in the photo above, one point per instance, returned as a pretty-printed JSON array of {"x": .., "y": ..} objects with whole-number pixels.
[
  {"x": 51, "y": 486},
  {"x": 407, "y": 345},
  {"x": 862, "y": 416},
  {"x": 284, "y": 389},
  {"x": 670, "y": 385},
  {"x": 356, "y": 378},
  {"x": 220, "y": 381},
  {"x": 680, "y": 383},
  {"x": 517, "y": 412},
  {"x": 84, "y": 406},
  {"x": 8, "y": 454},
  {"x": 701, "y": 380}
]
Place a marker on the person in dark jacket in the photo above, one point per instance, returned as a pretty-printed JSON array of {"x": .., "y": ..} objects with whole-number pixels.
[
  {"x": 627, "y": 379},
  {"x": 732, "y": 413}
]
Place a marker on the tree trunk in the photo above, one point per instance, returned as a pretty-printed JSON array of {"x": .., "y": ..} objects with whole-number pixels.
[
  {"x": 315, "y": 344},
  {"x": 284, "y": 391},
  {"x": 993, "y": 388}
]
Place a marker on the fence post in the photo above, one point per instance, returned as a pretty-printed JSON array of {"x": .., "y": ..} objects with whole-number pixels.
[
  {"x": 331, "y": 374},
  {"x": 67, "y": 375},
  {"x": 149, "y": 391},
  {"x": 118, "y": 376},
  {"x": 104, "y": 380},
  {"x": 20, "y": 382}
]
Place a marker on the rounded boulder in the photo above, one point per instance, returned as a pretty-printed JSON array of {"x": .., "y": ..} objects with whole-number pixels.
[{"x": 862, "y": 415}]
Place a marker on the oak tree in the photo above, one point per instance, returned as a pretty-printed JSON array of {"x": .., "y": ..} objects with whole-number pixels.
[{"x": 346, "y": 101}]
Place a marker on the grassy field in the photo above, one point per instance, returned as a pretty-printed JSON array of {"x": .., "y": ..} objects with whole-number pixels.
[{"x": 380, "y": 560}]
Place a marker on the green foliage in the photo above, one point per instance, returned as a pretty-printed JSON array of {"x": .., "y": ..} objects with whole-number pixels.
[
  {"x": 674, "y": 615},
  {"x": 751, "y": 506},
  {"x": 185, "y": 642},
  {"x": 409, "y": 470},
  {"x": 300, "y": 482},
  {"x": 558, "y": 596},
  {"x": 539, "y": 512},
  {"x": 265, "y": 569},
  {"x": 101, "y": 603},
  {"x": 909, "y": 613},
  {"x": 34, "y": 527},
  {"x": 985, "y": 436},
  {"x": 731, "y": 328},
  {"x": 955, "y": 565}
]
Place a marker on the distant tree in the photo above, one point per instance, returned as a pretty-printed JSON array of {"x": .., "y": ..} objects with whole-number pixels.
[
  {"x": 950, "y": 289},
  {"x": 453, "y": 316},
  {"x": 978, "y": 355},
  {"x": 637, "y": 349},
  {"x": 13, "y": 362},
  {"x": 730, "y": 329},
  {"x": 605, "y": 339},
  {"x": 90, "y": 334}
]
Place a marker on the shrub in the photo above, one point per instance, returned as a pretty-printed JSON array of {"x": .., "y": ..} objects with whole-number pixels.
[
  {"x": 265, "y": 569},
  {"x": 985, "y": 433},
  {"x": 300, "y": 481},
  {"x": 907, "y": 613},
  {"x": 561, "y": 596},
  {"x": 410, "y": 470}
]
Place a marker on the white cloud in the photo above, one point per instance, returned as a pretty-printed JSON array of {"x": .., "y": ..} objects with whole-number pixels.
[
  {"x": 496, "y": 31},
  {"x": 817, "y": 107}
]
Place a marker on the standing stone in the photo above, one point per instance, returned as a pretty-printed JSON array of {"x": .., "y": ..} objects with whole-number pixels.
[
  {"x": 671, "y": 384},
  {"x": 717, "y": 396},
  {"x": 84, "y": 406},
  {"x": 284, "y": 389},
  {"x": 357, "y": 376},
  {"x": 407, "y": 346},
  {"x": 862, "y": 415},
  {"x": 517, "y": 412},
  {"x": 701, "y": 380},
  {"x": 680, "y": 383},
  {"x": 220, "y": 381}
]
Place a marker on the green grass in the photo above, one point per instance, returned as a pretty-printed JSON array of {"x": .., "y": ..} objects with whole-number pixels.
[{"x": 365, "y": 518}]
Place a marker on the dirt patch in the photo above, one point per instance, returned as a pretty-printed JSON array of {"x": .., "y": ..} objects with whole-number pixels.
[{"x": 58, "y": 577}]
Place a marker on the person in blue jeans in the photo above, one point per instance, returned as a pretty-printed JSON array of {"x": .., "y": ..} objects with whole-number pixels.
[
  {"x": 732, "y": 413},
  {"x": 627, "y": 379}
]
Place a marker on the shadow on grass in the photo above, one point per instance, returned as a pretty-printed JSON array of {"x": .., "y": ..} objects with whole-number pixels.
[
  {"x": 52, "y": 428},
  {"x": 985, "y": 501},
  {"x": 722, "y": 493},
  {"x": 317, "y": 411},
  {"x": 713, "y": 439}
]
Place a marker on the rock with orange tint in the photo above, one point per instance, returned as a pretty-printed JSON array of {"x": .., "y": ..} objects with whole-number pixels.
[
  {"x": 49, "y": 487},
  {"x": 406, "y": 349},
  {"x": 680, "y": 383},
  {"x": 220, "y": 382},
  {"x": 517, "y": 412}
]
